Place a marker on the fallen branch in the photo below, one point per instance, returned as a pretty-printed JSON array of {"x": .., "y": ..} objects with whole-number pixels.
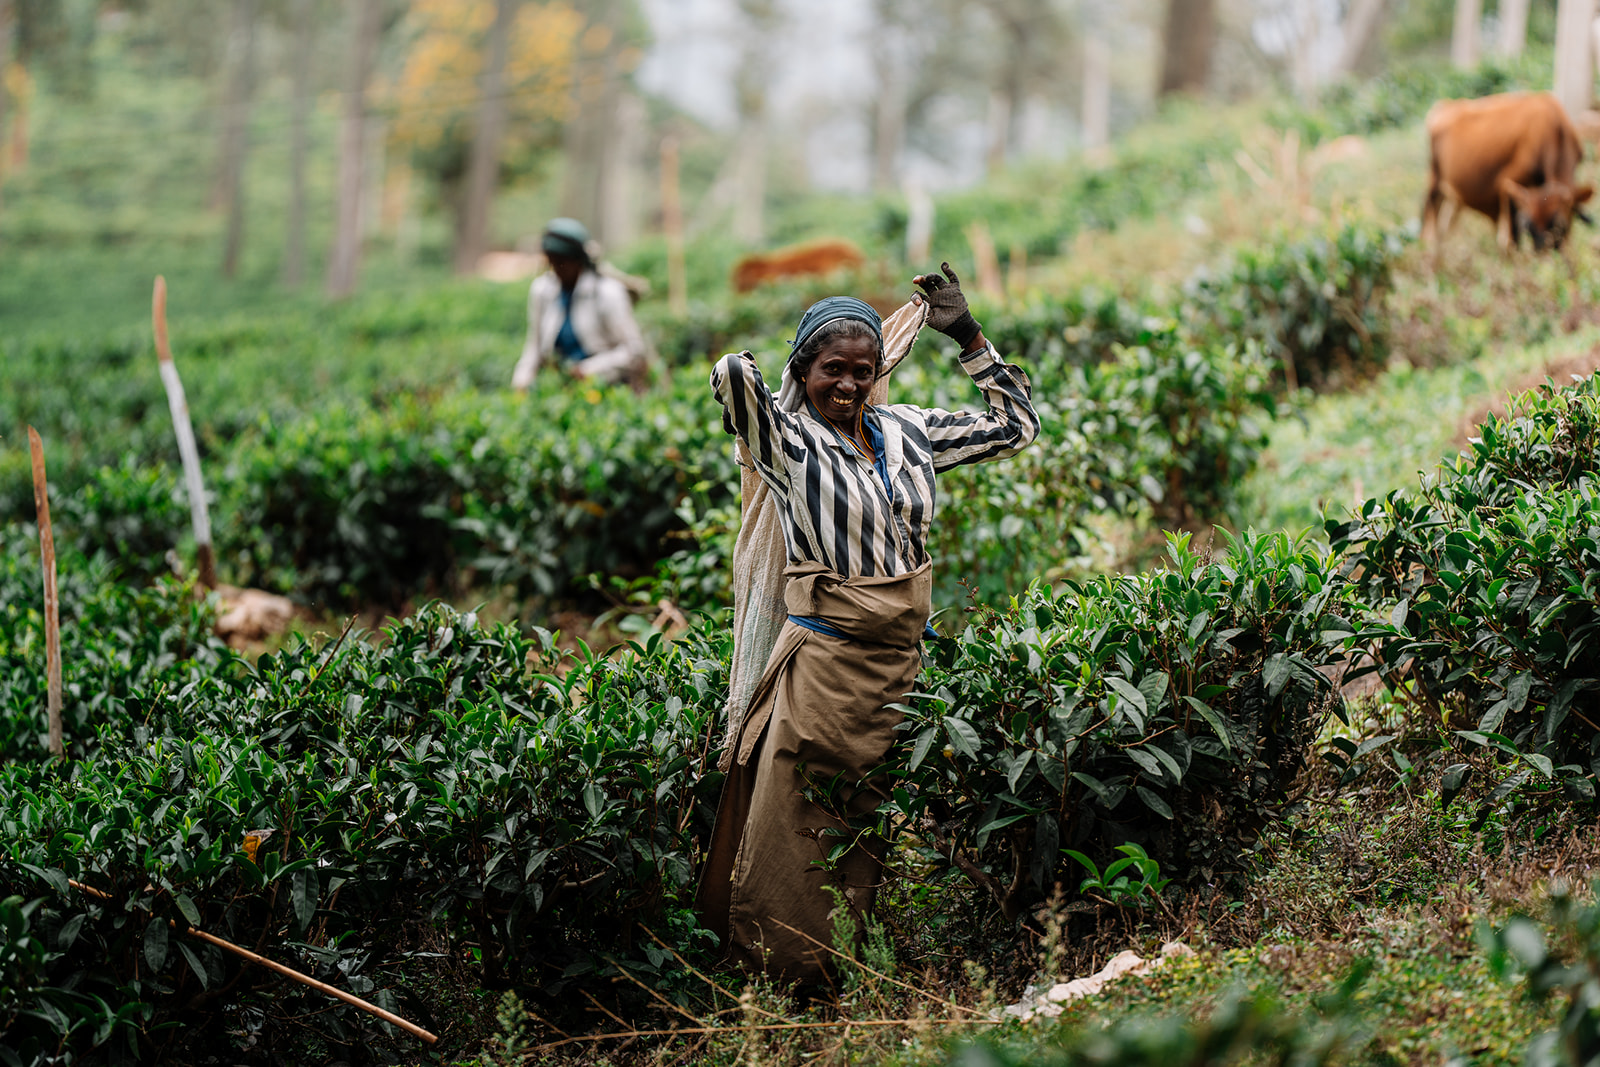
[
  {"x": 741, "y": 1028},
  {"x": 288, "y": 972}
]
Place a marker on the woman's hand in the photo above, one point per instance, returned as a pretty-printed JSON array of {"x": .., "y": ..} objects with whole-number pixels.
[{"x": 947, "y": 307}]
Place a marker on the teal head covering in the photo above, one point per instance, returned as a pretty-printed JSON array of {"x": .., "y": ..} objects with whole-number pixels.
[
  {"x": 831, "y": 309},
  {"x": 565, "y": 237}
]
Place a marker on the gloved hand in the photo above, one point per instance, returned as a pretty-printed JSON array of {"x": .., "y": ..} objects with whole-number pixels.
[{"x": 947, "y": 306}]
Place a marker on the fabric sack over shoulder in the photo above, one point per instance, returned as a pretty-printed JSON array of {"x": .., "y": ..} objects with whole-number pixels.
[{"x": 759, "y": 556}]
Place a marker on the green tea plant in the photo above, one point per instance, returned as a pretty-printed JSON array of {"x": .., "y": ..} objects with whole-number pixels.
[
  {"x": 1483, "y": 591},
  {"x": 1117, "y": 888},
  {"x": 1167, "y": 710},
  {"x": 1315, "y": 304},
  {"x": 529, "y": 804},
  {"x": 1560, "y": 958}
]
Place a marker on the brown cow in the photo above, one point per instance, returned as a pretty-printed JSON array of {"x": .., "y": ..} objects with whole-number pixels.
[
  {"x": 1511, "y": 157},
  {"x": 814, "y": 257}
]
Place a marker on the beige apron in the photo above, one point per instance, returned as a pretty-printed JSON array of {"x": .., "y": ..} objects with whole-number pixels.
[{"x": 818, "y": 713}]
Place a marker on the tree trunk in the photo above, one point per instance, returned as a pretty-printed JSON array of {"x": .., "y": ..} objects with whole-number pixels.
[
  {"x": 236, "y": 130},
  {"x": 1360, "y": 29},
  {"x": 483, "y": 164},
  {"x": 618, "y": 194},
  {"x": 1096, "y": 94},
  {"x": 1186, "y": 46},
  {"x": 345, "y": 261},
  {"x": 1513, "y": 32},
  {"x": 1574, "y": 80},
  {"x": 888, "y": 123},
  {"x": 999, "y": 124},
  {"x": 1464, "y": 35},
  {"x": 584, "y": 136},
  {"x": 294, "y": 242},
  {"x": 750, "y": 189},
  {"x": 5, "y": 62}
]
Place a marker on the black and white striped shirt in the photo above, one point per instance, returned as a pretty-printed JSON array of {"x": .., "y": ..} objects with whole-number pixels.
[{"x": 834, "y": 505}]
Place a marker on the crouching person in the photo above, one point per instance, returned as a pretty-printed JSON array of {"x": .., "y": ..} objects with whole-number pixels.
[{"x": 579, "y": 319}]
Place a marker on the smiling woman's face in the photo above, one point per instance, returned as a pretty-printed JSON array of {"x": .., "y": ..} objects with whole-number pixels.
[{"x": 839, "y": 379}]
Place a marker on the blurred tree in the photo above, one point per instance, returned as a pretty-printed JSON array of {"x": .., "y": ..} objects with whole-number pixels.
[
  {"x": 1574, "y": 75},
  {"x": 1186, "y": 43},
  {"x": 439, "y": 98},
  {"x": 1360, "y": 31},
  {"x": 601, "y": 120},
  {"x": 57, "y": 36},
  {"x": 483, "y": 162},
  {"x": 303, "y": 21},
  {"x": 1031, "y": 38},
  {"x": 1512, "y": 32},
  {"x": 240, "y": 46},
  {"x": 1464, "y": 33},
  {"x": 344, "y": 261},
  {"x": 758, "y": 37},
  {"x": 5, "y": 71}
]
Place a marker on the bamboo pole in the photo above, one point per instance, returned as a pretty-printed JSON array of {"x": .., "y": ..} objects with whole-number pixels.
[
  {"x": 179, "y": 406},
  {"x": 287, "y": 972},
  {"x": 52, "y": 603}
]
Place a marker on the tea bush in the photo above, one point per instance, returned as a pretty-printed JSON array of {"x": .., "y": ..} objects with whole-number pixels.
[
  {"x": 1484, "y": 587},
  {"x": 1314, "y": 304},
  {"x": 1169, "y": 710},
  {"x": 526, "y": 803},
  {"x": 117, "y": 642}
]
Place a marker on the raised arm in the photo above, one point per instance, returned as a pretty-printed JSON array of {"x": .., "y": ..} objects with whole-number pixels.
[
  {"x": 1008, "y": 426},
  {"x": 750, "y": 411}
]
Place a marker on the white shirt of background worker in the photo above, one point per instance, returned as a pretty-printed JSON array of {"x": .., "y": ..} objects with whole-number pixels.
[{"x": 578, "y": 319}]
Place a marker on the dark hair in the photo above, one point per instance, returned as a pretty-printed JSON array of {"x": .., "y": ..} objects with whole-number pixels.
[{"x": 838, "y": 329}]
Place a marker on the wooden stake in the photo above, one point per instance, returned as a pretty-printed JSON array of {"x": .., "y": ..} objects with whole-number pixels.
[
  {"x": 288, "y": 972},
  {"x": 52, "y": 605},
  {"x": 672, "y": 228},
  {"x": 190, "y": 455}
]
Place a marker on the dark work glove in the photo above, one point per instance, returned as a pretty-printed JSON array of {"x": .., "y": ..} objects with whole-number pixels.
[{"x": 947, "y": 306}]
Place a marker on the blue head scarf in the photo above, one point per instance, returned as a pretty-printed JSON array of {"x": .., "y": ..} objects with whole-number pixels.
[{"x": 830, "y": 309}]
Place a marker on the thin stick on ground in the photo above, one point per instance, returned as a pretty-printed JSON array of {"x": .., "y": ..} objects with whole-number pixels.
[
  {"x": 908, "y": 987},
  {"x": 288, "y": 972},
  {"x": 741, "y": 1028},
  {"x": 52, "y": 603}
]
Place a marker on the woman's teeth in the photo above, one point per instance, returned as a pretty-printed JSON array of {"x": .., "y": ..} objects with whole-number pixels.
[{"x": 842, "y": 402}]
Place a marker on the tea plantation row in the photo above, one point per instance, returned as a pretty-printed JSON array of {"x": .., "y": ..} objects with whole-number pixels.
[
  {"x": 349, "y": 466},
  {"x": 538, "y": 810}
]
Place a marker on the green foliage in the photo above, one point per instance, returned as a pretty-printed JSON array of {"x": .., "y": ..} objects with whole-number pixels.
[
  {"x": 1314, "y": 304},
  {"x": 1116, "y": 887},
  {"x": 1243, "y": 1028},
  {"x": 533, "y": 804},
  {"x": 1484, "y": 582},
  {"x": 1403, "y": 93},
  {"x": 1167, "y": 710},
  {"x": 1566, "y": 964}
]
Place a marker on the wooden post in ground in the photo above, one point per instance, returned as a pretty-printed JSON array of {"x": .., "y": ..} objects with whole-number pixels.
[
  {"x": 52, "y": 605},
  {"x": 195, "y": 487}
]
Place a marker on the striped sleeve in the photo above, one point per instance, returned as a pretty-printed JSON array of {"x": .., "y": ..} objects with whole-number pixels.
[
  {"x": 1008, "y": 426},
  {"x": 750, "y": 407}
]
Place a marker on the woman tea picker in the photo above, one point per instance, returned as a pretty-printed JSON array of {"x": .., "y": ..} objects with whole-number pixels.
[{"x": 854, "y": 488}]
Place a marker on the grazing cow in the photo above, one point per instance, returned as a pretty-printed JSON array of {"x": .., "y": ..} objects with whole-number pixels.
[
  {"x": 1511, "y": 157},
  {"x": 813, "y": 257}
]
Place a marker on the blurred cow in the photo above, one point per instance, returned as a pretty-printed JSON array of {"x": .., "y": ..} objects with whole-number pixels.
[
  {"x": 812, "y": 258},
  {"x": 1511, "y": 157}
]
